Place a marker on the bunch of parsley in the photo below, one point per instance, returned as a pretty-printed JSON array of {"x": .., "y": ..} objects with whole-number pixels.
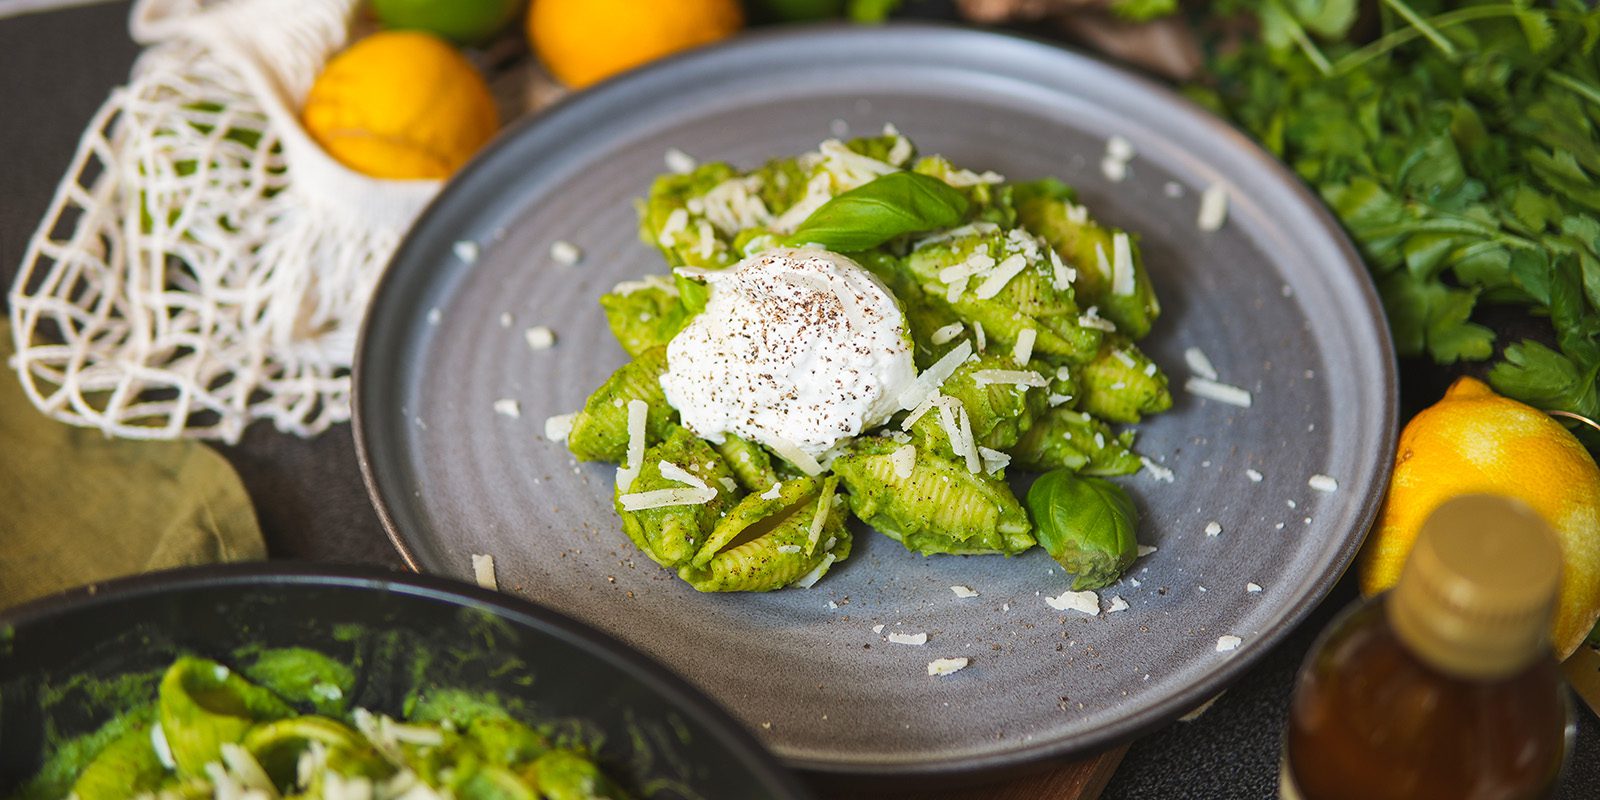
[{"x": 1458, "y": 143}]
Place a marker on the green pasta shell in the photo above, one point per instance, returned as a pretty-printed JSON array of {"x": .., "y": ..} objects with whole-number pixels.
[
  {"x": 779, "y": 550},
  {"x": 1072, "y": 440},
  {"x": 644, "y": 318},
  {"x": 671, "y": 535},
  {"x": 1121, "y": 384},
  {"x": 940, "y": 507},
  {"x": 1076, "y": 242},
  {"x": 490, "y": 782},
  {"x": 750, "y": 464},
  {"x": 278, "y": 745},
  {"x": 745, "y": 521},
  {"x": 600, "y": 431},
  {"x": 204, "y": 705},
  {"x": 566, "y": 775},
  {"x": 999, "y": 413},
  {"x": 125, "y": 767},
  {"x": 1029, "y": 300}
]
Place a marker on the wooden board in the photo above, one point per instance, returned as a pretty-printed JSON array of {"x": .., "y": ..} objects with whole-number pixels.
[{"x": 1084, "y": 779}]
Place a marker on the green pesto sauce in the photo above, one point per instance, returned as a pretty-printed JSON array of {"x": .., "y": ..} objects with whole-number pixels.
[
  {"x": 69, "y": 757},
  {"x": 304, "y": 677},
  {"x": 313, "y": 681}
]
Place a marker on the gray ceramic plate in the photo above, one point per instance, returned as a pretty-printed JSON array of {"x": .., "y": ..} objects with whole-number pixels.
[{"x": 1277, "y": 299}]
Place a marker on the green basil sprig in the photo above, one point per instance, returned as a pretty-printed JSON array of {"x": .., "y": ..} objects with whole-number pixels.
[
  {"x": 873, "y": 213},
  {"x": 1087, "y": 526}
]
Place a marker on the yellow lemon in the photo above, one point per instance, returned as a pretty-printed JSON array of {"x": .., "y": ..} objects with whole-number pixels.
[
  {"x": 400, "y": 105},
  {"x": 584, "y": 41},
  {"x": 1474, "y": 440}
]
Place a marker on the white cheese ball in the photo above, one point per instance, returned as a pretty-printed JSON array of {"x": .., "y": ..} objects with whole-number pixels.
[{"x": 796, "y": 348}]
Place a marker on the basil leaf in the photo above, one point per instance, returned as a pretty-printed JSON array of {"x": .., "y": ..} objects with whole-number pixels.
[
  {"x": 873, "y": 213},
  {"x": 1086, "y": 524}
]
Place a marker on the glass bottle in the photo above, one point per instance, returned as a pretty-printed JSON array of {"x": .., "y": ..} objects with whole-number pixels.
[{"x": 1445, "y": 686}]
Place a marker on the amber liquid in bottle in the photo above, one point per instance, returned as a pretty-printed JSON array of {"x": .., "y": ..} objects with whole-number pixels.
[
  {"x": 1371, "y": 720},
  {"x": 1438, "y": 697}
]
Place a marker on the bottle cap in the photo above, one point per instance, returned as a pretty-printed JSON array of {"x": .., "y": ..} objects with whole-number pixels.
[{"x": 1478, "y": 593}]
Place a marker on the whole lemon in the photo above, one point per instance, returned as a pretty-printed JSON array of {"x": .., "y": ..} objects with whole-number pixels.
[
  {"x": 400, "y": 105},
  {"x": 1474, "y": 440},
  {"x": 584, "y": 41},
  {"x": 463, "y": 21}
]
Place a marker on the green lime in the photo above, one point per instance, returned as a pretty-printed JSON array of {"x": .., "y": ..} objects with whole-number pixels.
[{"x": 461, "y": 21}]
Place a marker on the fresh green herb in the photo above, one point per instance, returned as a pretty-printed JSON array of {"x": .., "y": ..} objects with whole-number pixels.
[
  {"x": 871, "y": 12},
  {"x": 863, "y": 11},
  {"x": 1086, "y": 524},
  {"x": 873, "y": 213},
  {"x": 1143, "y": 10},
  {"x": 1461, "y": 148}
]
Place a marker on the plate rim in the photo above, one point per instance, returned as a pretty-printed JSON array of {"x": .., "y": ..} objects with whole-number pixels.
[{"x": 1125, "y": 728}]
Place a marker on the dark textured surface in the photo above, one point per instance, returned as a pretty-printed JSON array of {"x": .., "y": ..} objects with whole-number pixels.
[{"x": 54, "y": 71}]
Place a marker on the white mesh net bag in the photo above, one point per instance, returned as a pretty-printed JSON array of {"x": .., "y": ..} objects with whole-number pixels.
[{"x": 204, "y": 263}]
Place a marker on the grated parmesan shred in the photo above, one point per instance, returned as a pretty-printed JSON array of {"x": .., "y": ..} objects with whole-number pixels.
[
  {"x": 1160, "y": 473},
  {"x": 565, "y": 253},
  {"x": 1213, "y": 207},
  {"x": 969, "y": 445},
  {"x": 1061, "y": 275},
  {"x": 1323, "y": 483},
  {"x": 680, "y": 162},
  {"x": 483, "y": 571},
  {"x": 673, "y": 472},
  {"x": 927, "y": 384},
  {"x": 1101, "y": 262},
  {"x": 915, "y": 639},
  {"x": 662, "y": 498},
  {"x": 993, "y": 460},
  {"x": 676, "y": 222},
  {"x": 1122, "y": 272},
  {"x": 637, "y": 414},
  {"x": 810, "y": 579},
  {"x": 948, "y": 333},
  {"x": 1023, "y": 351},
  {"x": 1199, "y": 364},
  {"x": 1092, "y": 319},
  {"x": 916, "y": 413},
  {"x": 506, "y": 407},
  {"x": 963, "y": 591},
  {"x": 1014, "y": 377},
  {"x": 1219, "y": 392},
  {"x": 540, "y": 337},
  {"x": 1085, "y": 602},
  {"x": 904, "y": 461},
  {"x": 791, "y": 452},
  {"x": 772, "y": 494},
  {"x": 820, "y": 519},
  {"x": 946, "y": 666},
  {"x": 1007, "y": 269},
  {"x": 559, "y": 427},
  {"x": 957, "y": 233}
]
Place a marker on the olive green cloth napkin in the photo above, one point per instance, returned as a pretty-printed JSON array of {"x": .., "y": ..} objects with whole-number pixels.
[{"x": 78, "y": 507}]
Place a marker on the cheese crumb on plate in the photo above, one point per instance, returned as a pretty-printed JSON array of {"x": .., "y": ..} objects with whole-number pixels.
[{"x": 1086, "y": 602}]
